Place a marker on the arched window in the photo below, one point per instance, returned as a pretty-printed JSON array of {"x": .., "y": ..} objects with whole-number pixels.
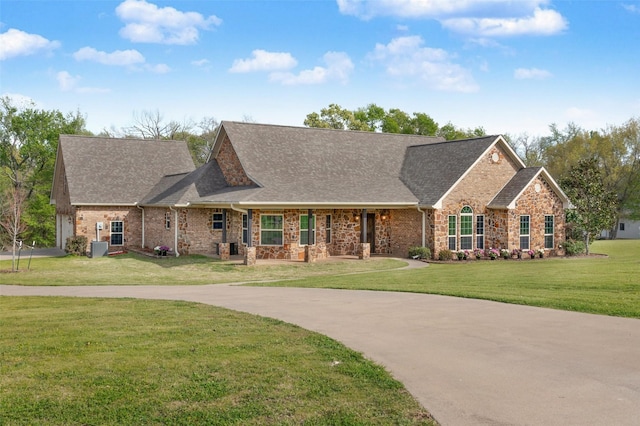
[{"x": 466, "y": 228}]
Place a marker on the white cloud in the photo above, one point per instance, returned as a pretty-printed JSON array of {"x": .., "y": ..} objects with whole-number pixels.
[
  {"x": 476, "y": 17},
  {"x": 19, "y": 43},
  {"x": 148, "y": 23},
  {"x": 542, "y": 22},
  {"x": 531, "y": 74},
  {"x": 580, "y": 114},
  {"x": 631, "y": 8},
  {"x": 200, "y": 62},
  {"x": 261, "y": 60},
  {"x": 68, "y": 83},
  {"x": 117, "y": 58},
  {"x": 406, "y": 57},
  {"x": 338, "y": 68},
  {"x": 158, "y": 69}
]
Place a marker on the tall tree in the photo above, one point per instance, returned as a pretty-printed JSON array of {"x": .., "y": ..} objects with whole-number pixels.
[
  {"x": 595, "y": 206},
  {"x": 335, "y": 117},
  {"x": 28, "y": 144}
]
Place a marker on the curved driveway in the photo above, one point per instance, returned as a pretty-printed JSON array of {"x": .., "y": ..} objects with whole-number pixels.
[{"x": 469, "y": 362}]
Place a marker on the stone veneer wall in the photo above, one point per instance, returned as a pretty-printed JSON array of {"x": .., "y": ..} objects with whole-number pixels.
[
  {"x": 476, "y": 190},
  {"x": 537, "y": 205},
  {"x": 86, "y": 218},
  {"x": 230, "y": 165}
]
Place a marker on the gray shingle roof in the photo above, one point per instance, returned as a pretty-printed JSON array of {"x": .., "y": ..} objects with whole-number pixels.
[
  {"x": 514, "y": 187},
  {"x": 118, "y": 171},
  {"x": 309, "y": 165},
  {"x": 430, "y": 170}
]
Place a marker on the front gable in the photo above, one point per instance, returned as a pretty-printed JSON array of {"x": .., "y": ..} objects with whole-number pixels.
[{"x": 229, "y": 162}]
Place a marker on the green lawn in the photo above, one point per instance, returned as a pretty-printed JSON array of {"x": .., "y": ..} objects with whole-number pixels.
[
  {"x": 135, "y": 269},
  {"x": 67, "y": 361},
  {"x": 608, "y": 285}
]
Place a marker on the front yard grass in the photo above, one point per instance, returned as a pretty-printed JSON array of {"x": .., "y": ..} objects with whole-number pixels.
[
  {"x": 68, "y": 361},
  {"x": 608, "y": 285}
]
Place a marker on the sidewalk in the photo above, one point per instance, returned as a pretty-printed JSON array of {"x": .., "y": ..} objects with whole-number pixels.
[{"x": 38, "y": 252}]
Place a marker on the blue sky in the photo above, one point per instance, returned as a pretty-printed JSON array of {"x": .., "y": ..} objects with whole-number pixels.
[{"x": 510, "y": 66}]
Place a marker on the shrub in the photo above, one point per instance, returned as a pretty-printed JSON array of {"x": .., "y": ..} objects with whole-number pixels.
[
  {"x": 419, "y": 252},
  {"x": 574, "y": 247},
  {"x": 445, "y": 254},
  {"x": 77, "y": 245}
]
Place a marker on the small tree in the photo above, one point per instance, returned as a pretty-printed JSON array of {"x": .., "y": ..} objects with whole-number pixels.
[
  {"x": 595, "y": 207},
  {"x": 10, "y": 219}
]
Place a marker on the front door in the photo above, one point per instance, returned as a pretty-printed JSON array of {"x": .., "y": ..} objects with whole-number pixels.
[{"x": 371, "y": 231}]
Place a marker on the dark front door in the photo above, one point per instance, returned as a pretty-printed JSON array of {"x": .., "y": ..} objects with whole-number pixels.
[{"x": 371, "y": 231}]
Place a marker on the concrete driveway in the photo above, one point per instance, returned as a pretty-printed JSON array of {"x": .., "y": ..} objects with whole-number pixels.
[{"x": 469, "y": 362}]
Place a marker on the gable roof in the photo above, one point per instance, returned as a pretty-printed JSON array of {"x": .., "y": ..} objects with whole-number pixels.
[
  {"x": 311, "y": 166},
  {"x": 109, "y": 171},
  {"x": 507, "y": 197},
  {"x": 431, "y": 170}
]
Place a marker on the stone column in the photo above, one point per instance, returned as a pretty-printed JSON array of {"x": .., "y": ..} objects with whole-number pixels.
[
  {"x": 249, "y": 256},
  {"x": 224, "y": 250},
  {"x": 364, "y": 251},
  {"x": 310, "y": 254}
]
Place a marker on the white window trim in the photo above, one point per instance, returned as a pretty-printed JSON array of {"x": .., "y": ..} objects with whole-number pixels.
[
  {"x": 245, "y": 228},
  {"x": 484, "y": 226},
  {"x": 315, "y": 225},
  {"x": 468, "y": 236},
  {"x": 214, "y": 221},
  {"x": 327, "y": 229},
  {"x": 281, "y": 230},
  {"x": 111, "y": 233},
  {"x": 167, "y": 220},
  {"x": 455, "y": 232},
  {"x": 553, "y": 230},
  {"x": 524, "y": 235}
]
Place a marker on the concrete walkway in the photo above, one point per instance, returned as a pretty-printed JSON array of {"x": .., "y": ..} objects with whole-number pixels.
[{"x": 469, "y": 362}]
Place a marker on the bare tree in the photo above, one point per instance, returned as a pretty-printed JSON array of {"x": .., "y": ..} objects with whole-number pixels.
[
  {"x": 151, "y": 125},
  {"x": 12, "y": 204}
]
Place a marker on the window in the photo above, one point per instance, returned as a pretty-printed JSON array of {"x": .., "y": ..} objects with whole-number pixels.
[
  {"x": 466, "y": 228},
  {"x": 304, "y": 229},
  {"x": 117, "y": 233},
  {"x": 452, "y": 232},
  {"x": 271, "y": 230},
  {"x": 217, "y": 221},
  {"x": 622, "y": 226},
  {"x": 328, "y": 229},
  {"x": 548, "y": 232},
  {"x": 480, "y": 232},
  {"x": 245, "y": 228},
  {"x": 524, "y": 232},
  {"x": 167, "y": 220}
]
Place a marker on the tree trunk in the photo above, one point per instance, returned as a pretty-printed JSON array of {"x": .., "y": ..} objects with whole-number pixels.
[{"x": 586, "y": 242}]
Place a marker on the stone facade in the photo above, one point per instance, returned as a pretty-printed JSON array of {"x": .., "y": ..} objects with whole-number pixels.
[{"x": 230, "y": 165}]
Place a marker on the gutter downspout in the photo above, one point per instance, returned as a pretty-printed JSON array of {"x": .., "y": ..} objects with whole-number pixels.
[
  {"x": 424, "y": 226},
  {"x": 175, "y": 236},
  {"x": 141, "y": 208}
]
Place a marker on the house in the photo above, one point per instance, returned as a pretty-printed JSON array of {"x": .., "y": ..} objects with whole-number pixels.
[
  {"x": 627, "y": 228},
  {"x": 283, "y": 192}
]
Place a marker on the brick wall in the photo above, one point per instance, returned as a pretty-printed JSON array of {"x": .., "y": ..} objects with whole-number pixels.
[
  {"x": 406, "y": 230},
  {"x": 87, "y": 217}
]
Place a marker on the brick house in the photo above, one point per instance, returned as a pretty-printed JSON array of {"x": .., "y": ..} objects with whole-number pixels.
[{"x": 304, "y": 193}]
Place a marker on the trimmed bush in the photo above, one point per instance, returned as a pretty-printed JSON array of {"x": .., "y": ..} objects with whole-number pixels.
[
  {"x": 419, "y": 252},
  {"x": 445, "y": 254},
  {"x": 77, "y": 245},
  {"x": 574, "y": 247}
]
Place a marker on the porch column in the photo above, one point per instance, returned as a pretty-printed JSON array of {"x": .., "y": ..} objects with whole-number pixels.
[
  {"x": 363, "y": 226},
  {"x": 224, "y": 225},
  {"x": 250, "y": 251}
]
